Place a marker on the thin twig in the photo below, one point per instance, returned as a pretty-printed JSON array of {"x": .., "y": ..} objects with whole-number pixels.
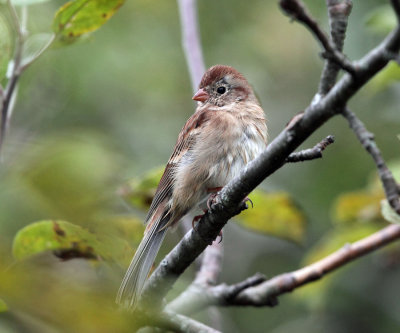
[
  {"x": 296, "y": 10},
  {"x": 338, "y": 11},
  {"x": 191, "y": 41},
  {"x": 196, "y": 297},
  {"x": 10, "y": 89},
  {"x": 312, "y": 153},
  {"x": 265, "y": 293},
  {"x": 367, "y": 140}
]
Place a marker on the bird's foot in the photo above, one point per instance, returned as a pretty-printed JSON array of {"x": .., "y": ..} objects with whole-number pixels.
[
  {"x": 197, "y": 218},
  {"x": 214, "y": 191}
]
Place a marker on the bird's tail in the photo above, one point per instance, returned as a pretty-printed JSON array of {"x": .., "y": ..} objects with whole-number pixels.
[{"x": 135, "y": 277}]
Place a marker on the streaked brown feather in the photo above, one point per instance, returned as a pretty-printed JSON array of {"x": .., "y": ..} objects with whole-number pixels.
[{"x": 186, "y": 140}]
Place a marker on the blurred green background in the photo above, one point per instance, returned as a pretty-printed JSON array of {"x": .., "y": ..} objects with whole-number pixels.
[{"x": 91, "y": 116}]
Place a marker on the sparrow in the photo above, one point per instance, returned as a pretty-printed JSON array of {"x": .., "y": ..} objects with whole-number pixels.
[{"x": 226, "y": 132}]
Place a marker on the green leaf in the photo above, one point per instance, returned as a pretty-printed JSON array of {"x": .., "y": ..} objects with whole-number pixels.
[
  {"x": 66, "y": 239},
  {"x": 356, "y": 207},
  {"x": 274, "y": 214},
  {"x": 388, "y": 213},
  {"x": 80, "y": 17},
  {"x": 34, "y": 46},
  {"x": 386, "y": 77},
  {"x": 139, "y": 192},
  {"x": 3, "y": 306},
  {"x": 5, "y": 42},
  {"x": 381, "y": 20}
]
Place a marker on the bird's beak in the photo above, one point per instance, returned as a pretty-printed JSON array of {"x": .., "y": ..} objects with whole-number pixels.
[{"x": 201, "y": 95}]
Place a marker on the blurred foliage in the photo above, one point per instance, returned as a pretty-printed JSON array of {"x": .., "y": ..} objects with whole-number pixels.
[
  {"x": 3, "y": 306},
  {"x": 384, "y": 79},
  {"x": 357, "y": 207},
  {"x": 5, "y": 42},
  {"x": 381, "y": 19},
  {"x": 139, "y": 192}
]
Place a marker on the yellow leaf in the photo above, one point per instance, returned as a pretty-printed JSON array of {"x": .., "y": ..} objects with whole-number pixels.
[
  {"x": 358, "y": 206},
  {"x": 274, "y": 214}
]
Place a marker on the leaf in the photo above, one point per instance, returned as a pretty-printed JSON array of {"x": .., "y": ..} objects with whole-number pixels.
[
  {"x": 356, "y": 207},
  {"x": 34, "y": 46},
  {"x": 388, "y": 213},
  {"x": 274, "y": 214},
  {"x": 3, "y": 306},
  {"x": 139, "y": 192},
  {"x": 66, "y": 239},
  {"x": 5, "y": 43},
  {"x": 386, "y": 77},
  {"x": 381, "y": 20},
  {"x": 80, "y": 17}
]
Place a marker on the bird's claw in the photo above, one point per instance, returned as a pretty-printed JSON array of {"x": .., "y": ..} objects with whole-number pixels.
[{"x": 249, "y": 200}]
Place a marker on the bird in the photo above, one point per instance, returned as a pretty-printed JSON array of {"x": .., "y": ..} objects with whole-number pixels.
[{"x": 226, "y": 132}]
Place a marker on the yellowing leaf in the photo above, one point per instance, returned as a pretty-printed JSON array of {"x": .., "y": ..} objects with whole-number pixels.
[
  {"x": 274, "y": 214},
  {"x": 139, "y": 192},
  {"x": 67, "y": 241},
  {"x": 355, "y": 207},
  {"x": 80, "y": 17}
]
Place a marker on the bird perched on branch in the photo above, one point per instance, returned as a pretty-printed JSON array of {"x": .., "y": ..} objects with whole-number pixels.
[{"x": 227, "y": 131}]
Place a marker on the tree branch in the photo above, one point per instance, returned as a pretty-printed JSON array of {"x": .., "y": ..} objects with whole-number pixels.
[
  {"x": 367, "y": 140},
  {"x": 312, "y": 153},
  {"x": 265, "y": 293},
  {"x": 10, "y": 90},
  {"x": 338, "y": 12},
  {"x": 191, "y": 41},
  {"x": 198, "y": 297},
  {"x": 297, "y": 11},
  {"x": 171, "y": 322}
]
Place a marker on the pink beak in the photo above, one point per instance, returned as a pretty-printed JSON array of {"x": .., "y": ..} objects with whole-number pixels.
[{"x": 201, "y": 95}]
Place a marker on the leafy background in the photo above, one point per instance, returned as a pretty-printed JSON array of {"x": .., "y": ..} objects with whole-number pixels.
[{"x": 94, "y": 121}]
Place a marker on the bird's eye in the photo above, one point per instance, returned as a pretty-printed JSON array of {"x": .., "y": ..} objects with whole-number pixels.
[{"x": 221, "y": 90}]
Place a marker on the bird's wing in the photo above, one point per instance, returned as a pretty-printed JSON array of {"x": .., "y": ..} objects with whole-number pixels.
[{"x": 186, "y": 140}]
